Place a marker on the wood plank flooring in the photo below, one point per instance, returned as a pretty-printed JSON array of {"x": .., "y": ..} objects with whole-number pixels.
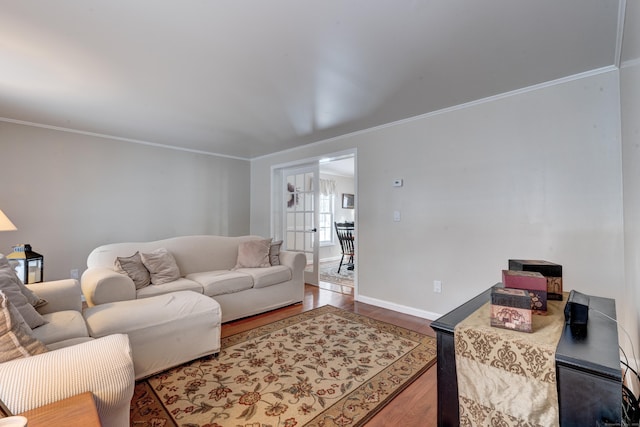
[{"x": 417, "y": 404}]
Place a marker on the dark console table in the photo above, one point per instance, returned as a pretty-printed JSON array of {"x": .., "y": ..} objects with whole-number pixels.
[{"x": 588, "y": 373}]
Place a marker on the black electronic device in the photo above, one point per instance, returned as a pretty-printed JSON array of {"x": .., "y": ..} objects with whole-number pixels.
[{"x": 576, "y": 312}]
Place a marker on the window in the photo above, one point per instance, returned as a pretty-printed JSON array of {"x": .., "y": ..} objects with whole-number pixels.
[{"x": 327, "y": 203}]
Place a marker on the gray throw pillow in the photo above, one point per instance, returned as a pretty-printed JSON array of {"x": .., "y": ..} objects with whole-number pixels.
[
  {"x": 161, "y": 265},
  {"x": 134, "y": 268},
  {"x": 254, "y": 254},
  {"x": 16, "y": 339},
  {"x": 274, "y": 252},
  {"x": 14, "y": 289},
  {"x": 31, "y": 297}
]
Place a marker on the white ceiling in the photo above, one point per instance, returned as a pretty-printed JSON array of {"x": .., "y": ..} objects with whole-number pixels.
[
  {"x": 245, "y": 78},
  {"x": 341, "y": 167}
]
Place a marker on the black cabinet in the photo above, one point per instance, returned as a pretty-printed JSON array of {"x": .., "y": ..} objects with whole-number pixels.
[{"x": 588, "y": 373}]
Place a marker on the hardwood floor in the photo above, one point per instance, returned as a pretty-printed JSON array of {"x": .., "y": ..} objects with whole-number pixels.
[{"x": 417, "y": 404}]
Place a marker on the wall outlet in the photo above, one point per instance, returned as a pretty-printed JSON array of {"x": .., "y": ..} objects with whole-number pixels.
[
  {"x": 437, "y": 286},
  {"x": 74, "y": 274}
]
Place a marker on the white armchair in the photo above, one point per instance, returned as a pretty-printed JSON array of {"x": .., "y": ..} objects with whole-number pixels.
[
  {"x": 76, "y": 363},
  {"x": 103, "y": 367}
]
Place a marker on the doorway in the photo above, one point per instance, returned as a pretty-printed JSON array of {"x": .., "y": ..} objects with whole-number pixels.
[
  {"x": 304, "y": 220},
  {"x": 337, "y": 205}
]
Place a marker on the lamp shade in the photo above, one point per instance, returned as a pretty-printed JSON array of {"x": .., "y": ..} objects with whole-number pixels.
[{"x": 5, "y": 223}]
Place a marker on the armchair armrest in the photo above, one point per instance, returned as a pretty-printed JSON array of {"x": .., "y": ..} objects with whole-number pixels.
[
  {"x": 102, "y": 285},
  {"x": 103, "y": 367},
  {"x": 60, "y": 295}
]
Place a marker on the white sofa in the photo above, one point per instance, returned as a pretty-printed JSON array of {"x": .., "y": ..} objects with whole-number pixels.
[
  {"x": 206, "y": 265},
  {"x": 75, "y": 362}
]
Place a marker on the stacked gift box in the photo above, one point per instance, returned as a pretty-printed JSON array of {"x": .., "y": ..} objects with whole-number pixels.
[
  {"x": 532, "y": 282},
  {"x": 552, "y": 273},
  {"x": 511, "y": 308},
  {"x": 524, "y": 291}
]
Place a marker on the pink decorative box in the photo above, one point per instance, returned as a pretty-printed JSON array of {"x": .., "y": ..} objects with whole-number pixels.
[
  {"x": 550, "y": 270},
  {"x": 531, "y": 281}
]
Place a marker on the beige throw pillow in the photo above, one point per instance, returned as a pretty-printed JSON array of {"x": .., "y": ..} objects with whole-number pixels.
[
  {"x": 134, "y": 268},
  {"x": 254, "y": 254},
  {"x": 274, "y": 252},
  {"x": 161, "y": 265},
  {"x": 15, "y": 338},
  {"x": 14, "y": 290}
]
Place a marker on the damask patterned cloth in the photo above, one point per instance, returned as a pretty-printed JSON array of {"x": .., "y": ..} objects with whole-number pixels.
[{"x": 508, "y": 378}]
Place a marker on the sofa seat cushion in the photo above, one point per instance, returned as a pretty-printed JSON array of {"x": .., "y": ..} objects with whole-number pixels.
[
  {"x": 148, "y": 313},
  {"x": 221, "y": 282},
  {"x": 268, "y": 276},
  {"x": 60, "y": 326},
  {"x": 164, "y": 331},
  {"x": 181, "y": 284}
]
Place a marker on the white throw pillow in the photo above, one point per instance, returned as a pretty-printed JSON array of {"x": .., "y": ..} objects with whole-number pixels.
[{"x": 161, "y": 265}]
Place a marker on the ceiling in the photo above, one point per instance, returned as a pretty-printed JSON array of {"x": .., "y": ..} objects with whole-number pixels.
[
  {"x": 245, "y": 78},
  {"x": 340, "y": 167}
]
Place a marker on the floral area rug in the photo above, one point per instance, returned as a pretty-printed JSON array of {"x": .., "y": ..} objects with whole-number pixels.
[
  {"x": 324, "y": 367},
  {"x": 328, "y": 272}
]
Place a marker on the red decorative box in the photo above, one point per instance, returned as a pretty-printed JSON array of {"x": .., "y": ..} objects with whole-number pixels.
[
  {"x": 511, "y": 309},
  {"x": 531, "y": 281},
  {"x": 551, "y": 271}
]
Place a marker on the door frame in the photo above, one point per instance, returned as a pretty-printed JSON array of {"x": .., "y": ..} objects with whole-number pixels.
[{"x": 277, "y": 201}]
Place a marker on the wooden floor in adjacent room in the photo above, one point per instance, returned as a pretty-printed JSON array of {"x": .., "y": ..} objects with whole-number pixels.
[{"x": 417, "y": 404}]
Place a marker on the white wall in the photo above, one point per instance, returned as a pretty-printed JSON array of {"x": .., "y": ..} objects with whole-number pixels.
[
  {"x": 532, "y": 175},
  {"x": 68, "y": 193},
  {"x": 630, "y": 111}
]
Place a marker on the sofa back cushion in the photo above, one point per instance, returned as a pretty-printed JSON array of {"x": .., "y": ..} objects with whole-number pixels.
[{"x": 193, "y": 254}]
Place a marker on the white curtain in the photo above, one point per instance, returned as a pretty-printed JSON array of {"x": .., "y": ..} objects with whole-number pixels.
[{"x": 327, "y": 187}]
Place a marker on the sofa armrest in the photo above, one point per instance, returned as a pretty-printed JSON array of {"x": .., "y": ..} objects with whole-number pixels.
[
  {"x": 102, "y": 285},
  {"x": 103, "y": 367},
  {"x": 296, "y": 261},
  {"x": 60, "y": 295}
]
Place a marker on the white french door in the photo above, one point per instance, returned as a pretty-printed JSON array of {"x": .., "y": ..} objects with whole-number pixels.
[{"x": 300, "y": 219}]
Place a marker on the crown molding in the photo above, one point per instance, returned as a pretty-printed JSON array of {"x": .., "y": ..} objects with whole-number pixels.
[
  {"x": 622, "y": 9},
  {"x": 117, "y": 138}
]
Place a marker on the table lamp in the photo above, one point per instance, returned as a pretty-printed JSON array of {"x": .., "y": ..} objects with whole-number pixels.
[{"x": 5, "y": 223}]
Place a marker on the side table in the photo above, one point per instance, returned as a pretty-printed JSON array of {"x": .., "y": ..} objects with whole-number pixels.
[
  {"x": 588, "y": 372},
  {"x": 75, "y": 411}
]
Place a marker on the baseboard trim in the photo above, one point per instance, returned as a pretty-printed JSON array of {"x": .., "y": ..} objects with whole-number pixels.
[{"x": 398, "y": 307}]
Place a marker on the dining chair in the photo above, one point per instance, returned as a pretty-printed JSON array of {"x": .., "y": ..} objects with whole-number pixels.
[{"x": 347, "y": 240}]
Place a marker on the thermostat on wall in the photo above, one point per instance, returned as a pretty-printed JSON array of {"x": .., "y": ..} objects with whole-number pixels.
[{"x": 397, "y": 182}]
